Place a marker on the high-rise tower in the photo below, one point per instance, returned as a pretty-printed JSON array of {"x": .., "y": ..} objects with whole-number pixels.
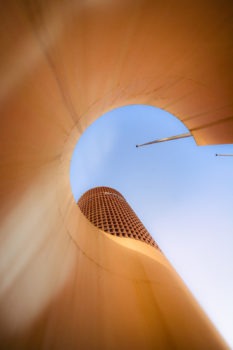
[
  {"x": 164, "y": 310},
  {"x": 108, "y": 210}
]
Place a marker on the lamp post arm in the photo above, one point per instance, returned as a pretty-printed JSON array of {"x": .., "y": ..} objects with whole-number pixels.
[{"x": 176, "y": 137}]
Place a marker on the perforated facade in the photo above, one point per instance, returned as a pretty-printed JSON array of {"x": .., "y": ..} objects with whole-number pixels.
[{"x": 107, "y": 209}]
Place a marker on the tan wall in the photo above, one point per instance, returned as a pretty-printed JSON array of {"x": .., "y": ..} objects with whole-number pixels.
[
  {"x": 62, "y": 65},
  {"x": 109, "y": 293}
]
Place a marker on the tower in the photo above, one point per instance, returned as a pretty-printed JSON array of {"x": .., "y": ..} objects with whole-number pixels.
[
  {"x": 107, "y": 209},
  {"x": 168, "y": 315}
]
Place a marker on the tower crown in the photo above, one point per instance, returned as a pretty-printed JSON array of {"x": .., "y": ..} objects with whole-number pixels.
[{"x": 108, "y": 210}]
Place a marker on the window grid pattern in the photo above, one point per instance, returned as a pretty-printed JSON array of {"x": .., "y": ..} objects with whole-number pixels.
[{"x": 107, "y": 209}]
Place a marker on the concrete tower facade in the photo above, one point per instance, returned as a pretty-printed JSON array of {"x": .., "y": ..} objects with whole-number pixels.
[{"x": 108, "y": 210}]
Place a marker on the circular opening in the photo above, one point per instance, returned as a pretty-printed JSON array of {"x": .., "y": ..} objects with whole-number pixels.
[{"x": 106, "y": 152}]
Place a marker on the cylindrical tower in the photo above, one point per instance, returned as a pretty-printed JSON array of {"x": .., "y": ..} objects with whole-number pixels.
[
  {"x": 149, "y": 297},
  {"x": 108, "y": 210}
]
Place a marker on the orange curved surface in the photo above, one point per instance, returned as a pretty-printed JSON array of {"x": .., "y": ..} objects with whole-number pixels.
[{"x": 64, "y": 64}]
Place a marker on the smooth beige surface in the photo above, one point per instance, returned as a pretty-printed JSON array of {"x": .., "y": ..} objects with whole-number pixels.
[
  {"x": 62, "y": 65},
  {"x": 109, "y": 296}
]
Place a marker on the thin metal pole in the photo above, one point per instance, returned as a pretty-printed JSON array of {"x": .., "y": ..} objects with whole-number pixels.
[
  {"x": 181, "y": 136},
  {"x": 223, "y": 155}
]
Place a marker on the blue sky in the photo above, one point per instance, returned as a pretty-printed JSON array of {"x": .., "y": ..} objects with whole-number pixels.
[{"x": 182, "y": 193}]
